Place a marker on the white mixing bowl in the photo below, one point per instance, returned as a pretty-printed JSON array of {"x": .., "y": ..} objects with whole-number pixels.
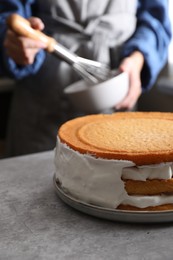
[{"x": 99, "y": 97}]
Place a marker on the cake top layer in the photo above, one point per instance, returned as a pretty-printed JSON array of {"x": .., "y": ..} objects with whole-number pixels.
[{"x": 141, "y": 137}]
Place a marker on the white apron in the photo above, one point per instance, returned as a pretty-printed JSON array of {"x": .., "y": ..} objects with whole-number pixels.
[{"x": 94, "y": 29}]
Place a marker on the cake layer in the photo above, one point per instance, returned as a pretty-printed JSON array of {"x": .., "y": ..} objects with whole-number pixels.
[
  {"x": 155, "y": 208},
  {"x": 149, "y": 187},
  {"x": 142, "y": 137}
]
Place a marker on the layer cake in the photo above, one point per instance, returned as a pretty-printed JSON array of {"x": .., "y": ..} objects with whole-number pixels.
[{"x": 118, "y": 161}]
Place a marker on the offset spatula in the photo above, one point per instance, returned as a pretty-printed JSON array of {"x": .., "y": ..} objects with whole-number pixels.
[{"x": 91, "y": 71}]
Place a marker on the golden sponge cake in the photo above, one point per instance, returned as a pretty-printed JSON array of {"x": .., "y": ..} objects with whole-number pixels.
[{"x": 141, "y": 137}]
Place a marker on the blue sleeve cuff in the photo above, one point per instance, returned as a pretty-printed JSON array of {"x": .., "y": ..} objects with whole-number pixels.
[
  {"x": 19, "y": 72},
  {"x": 155, "y": 54}
]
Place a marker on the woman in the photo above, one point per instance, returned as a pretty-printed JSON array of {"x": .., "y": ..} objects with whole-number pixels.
[{"x": 129, "y": 35}]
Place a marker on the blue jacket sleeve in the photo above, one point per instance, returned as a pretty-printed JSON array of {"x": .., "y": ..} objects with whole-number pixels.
[
  {"x": 152, "y": 37},
  {"x": 7, "y": 66}
]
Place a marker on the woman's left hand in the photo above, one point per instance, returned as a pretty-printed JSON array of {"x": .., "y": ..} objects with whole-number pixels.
[{"x": 133, "y": 66}]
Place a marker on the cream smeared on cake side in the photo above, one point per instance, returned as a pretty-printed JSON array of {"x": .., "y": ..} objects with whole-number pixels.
[{"x": 99, "y": 181}]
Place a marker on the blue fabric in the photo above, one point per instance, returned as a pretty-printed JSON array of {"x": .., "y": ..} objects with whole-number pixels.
[
  {"x": 152, "y": 38},
  {"x": 7, "y": 66},
  {"x": 153, "y": 30}
]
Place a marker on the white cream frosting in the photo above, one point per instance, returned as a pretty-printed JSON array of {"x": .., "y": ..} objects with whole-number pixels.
[
  {"x": 99, "y": 181},
  {"x": 142, "y": 173}
]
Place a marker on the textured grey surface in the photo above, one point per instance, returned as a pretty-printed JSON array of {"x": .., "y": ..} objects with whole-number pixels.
[{"x": 36, "y": 224}]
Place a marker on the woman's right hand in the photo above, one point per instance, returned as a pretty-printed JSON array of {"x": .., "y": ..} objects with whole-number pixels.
[{"x": 22, "y": 49}]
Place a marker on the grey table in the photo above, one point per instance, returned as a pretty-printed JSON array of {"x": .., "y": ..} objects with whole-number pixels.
[{"x": 36, "y": 224}]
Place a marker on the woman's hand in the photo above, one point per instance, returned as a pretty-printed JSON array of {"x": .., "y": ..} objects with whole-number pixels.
[
  {"x": 22, "y": 49},
  {"x": 133, "y": 66}
]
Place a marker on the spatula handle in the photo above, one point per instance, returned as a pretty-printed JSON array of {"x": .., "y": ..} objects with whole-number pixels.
[{"x": 23, "y": 27}]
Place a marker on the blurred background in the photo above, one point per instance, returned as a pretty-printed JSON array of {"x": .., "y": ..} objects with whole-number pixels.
[{"x": 160, "y": 98}]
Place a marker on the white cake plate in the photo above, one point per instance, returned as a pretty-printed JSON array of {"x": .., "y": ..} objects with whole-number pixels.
[{"x": 111, "y": 214}]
